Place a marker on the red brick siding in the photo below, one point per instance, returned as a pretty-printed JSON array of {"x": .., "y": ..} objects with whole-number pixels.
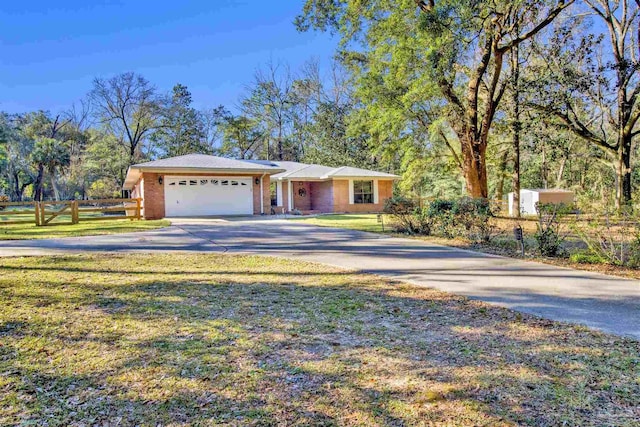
[
  {"x": 153, "y": 196},
  {"x": 341, "y": 197},
  {"x": 321, "y": 196},
  {"x": 302, "y": 203}
]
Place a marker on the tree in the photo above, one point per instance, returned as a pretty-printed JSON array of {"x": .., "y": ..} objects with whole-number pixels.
[
  {"x": 269, "y": 102},
  {"x": 419, "y": 60},
  {"x": 591, "y": 86},
  {"x": 48, "y": 155},
  {"x": 129, "y": 107},
  {"x": 243, "y": 138},
  {"x": 181, "y": 129}
]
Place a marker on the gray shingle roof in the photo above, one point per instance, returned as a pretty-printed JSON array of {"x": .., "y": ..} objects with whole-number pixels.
[
  {"x": 301, "y": 171},
  {"x": 350, "y": 172},
  {"x": 204, "y": 161}
]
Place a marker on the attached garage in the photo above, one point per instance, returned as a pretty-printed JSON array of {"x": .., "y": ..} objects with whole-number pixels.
[
  {"x": 201, "y": 185},
  {"x": 199, "y": 196}
]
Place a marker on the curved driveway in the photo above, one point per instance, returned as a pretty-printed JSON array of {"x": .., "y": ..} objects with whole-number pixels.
[{"x": 603, "y": 302}]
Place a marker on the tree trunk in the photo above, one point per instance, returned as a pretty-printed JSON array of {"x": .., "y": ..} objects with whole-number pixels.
[
  {"x": 474, "y": 166},
  {"x": 17, "y": 191},
  {"x": 54, "y": 186},
  {"x": 37, "y": 185},
  {"x": 516, "y": 126},
  {"x": 502, "y": 169},
  {"x": 623, "y": 173}
]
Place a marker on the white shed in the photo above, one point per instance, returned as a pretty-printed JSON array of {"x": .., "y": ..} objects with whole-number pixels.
[{"x": 530, "y": 197}]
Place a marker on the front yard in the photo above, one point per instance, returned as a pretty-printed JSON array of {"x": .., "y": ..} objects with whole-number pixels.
[
  {"x": 90, "y": 228},
  {"x": 236, "y": 340}
]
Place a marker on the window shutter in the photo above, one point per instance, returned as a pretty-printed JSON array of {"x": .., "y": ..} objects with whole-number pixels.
[
  {"x": 375, "y": 192},
  {"x": 351, "y": 192}
]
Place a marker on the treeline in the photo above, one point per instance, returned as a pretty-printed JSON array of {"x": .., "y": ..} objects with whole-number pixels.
[
  {"x": 85, "y": 152},
  {"x": 477, "y": 98}
]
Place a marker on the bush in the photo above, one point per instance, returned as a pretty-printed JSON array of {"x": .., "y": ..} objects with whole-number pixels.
[
  {"x": 442, "y": 215},
  {"x": 474, "y": 216},
  {"x": 615, "y": 239},
  {"x": 408, "y": 216},
  {"x": 549, "y": 236},
  {"x": 587, "y": 258},
  {"x": 3, "y": 199},
  {"x": 467, "y": 217}
]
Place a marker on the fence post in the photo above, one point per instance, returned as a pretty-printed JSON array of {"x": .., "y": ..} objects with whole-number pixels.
[
  {"x": 74, "y": 212},
  {"x": 36, "y": 207},
  {"x": 138, "y": 205},
  {"x": 42, "y": 213}
]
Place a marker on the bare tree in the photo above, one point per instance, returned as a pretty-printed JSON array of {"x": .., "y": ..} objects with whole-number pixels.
[{"x": 129, "y": 106}]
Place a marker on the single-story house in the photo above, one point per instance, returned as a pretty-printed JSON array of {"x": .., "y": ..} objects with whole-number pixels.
[
  {"x": 202, "y": 185},
  {"x": 529, "y": 198}
]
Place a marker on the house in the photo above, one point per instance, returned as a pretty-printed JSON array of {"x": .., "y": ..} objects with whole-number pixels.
[
  {"x": 202, "y": 185},
  {"x": 310, "y": 188},
  {"x": 529, "y": 198}
]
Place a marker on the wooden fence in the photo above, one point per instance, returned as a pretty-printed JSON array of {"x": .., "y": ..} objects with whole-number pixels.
[{"x": 74, "y": 211}]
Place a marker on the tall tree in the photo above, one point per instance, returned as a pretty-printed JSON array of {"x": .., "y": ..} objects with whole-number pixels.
[
  {"x": 435, "y": 57},
  {"x": 269, "y": 101},
  {"x": 129, "y": 107},
  {"x": 592, "y": 85},
  {"x": 49, "y": 155},
  {"x": 181, "y": 127},
  {"x": 243, "y": 137}
]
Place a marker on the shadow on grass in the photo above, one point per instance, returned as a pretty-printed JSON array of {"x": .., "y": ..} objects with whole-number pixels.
[{"x": 275, "y": 346}]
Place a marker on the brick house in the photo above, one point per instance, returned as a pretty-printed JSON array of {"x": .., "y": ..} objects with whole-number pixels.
[{"x": 202, "y": 185}]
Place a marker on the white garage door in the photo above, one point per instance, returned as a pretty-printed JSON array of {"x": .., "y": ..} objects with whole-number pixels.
[{"x": 196, "y": 196}]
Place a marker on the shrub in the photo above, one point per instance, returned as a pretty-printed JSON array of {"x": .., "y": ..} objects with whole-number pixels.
[
  {"x": 548, "y": 235},
  {"x": 613, "y": 238},
  {"x": 474, "y": 217},
  {"x": 408, "y": 216},
  {"x": 3, "y": 199},
  {"x": 587, "y": 258},
  {"x": 442, "y": 215}
]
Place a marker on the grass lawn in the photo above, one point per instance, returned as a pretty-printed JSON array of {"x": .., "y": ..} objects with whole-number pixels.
[
  {"x": 91, "y": 228},
  {"x": 205, "y": 339},
  {"x": 361, "y": 222}
]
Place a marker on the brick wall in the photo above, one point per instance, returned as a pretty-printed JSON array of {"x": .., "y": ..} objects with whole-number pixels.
[
  {"x": 266, "y": 195},
  {"x": 341, "y": 197},
  {"x": 302, "y": 203},
  {"x": 321, "y": 196},
  {"x": 153, "y": 196}
]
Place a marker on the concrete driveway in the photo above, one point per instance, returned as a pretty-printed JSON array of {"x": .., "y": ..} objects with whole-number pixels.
[{"x": 602, "y": 302}]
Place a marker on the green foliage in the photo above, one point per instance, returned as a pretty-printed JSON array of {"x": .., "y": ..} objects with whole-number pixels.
[
  {"x": 408, "y": 216},
  {"x": 465, "y": 217},
  {"x": 587, "y": 258},
  {"x": 611, "y": 238},
  {"x": 549, "y": 234},
  {"x": 181, "y": 128}
]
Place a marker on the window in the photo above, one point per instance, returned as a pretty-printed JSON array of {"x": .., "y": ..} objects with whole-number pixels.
[
  {"x": 224, "y": 182},
  {"x": 362, "y": 192},
  {"x": 215, "y": 182},
  {"x": 234, "y": 182},
  {"x": 204, "y": 181},
  {"x": 274, "y": 194},
  {"x": 193, "y": 182},
  {"x": 182, "y": 182}
]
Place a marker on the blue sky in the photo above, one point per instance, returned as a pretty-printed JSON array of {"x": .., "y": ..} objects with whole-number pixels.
[{"x": 51, "y": 51}]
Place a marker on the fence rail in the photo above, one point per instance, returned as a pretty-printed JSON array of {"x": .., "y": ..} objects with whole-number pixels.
[{"x": 74, "y": 211}]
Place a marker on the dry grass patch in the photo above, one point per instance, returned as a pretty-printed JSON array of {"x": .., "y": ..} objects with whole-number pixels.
[{"x": 233, "y": 340}]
